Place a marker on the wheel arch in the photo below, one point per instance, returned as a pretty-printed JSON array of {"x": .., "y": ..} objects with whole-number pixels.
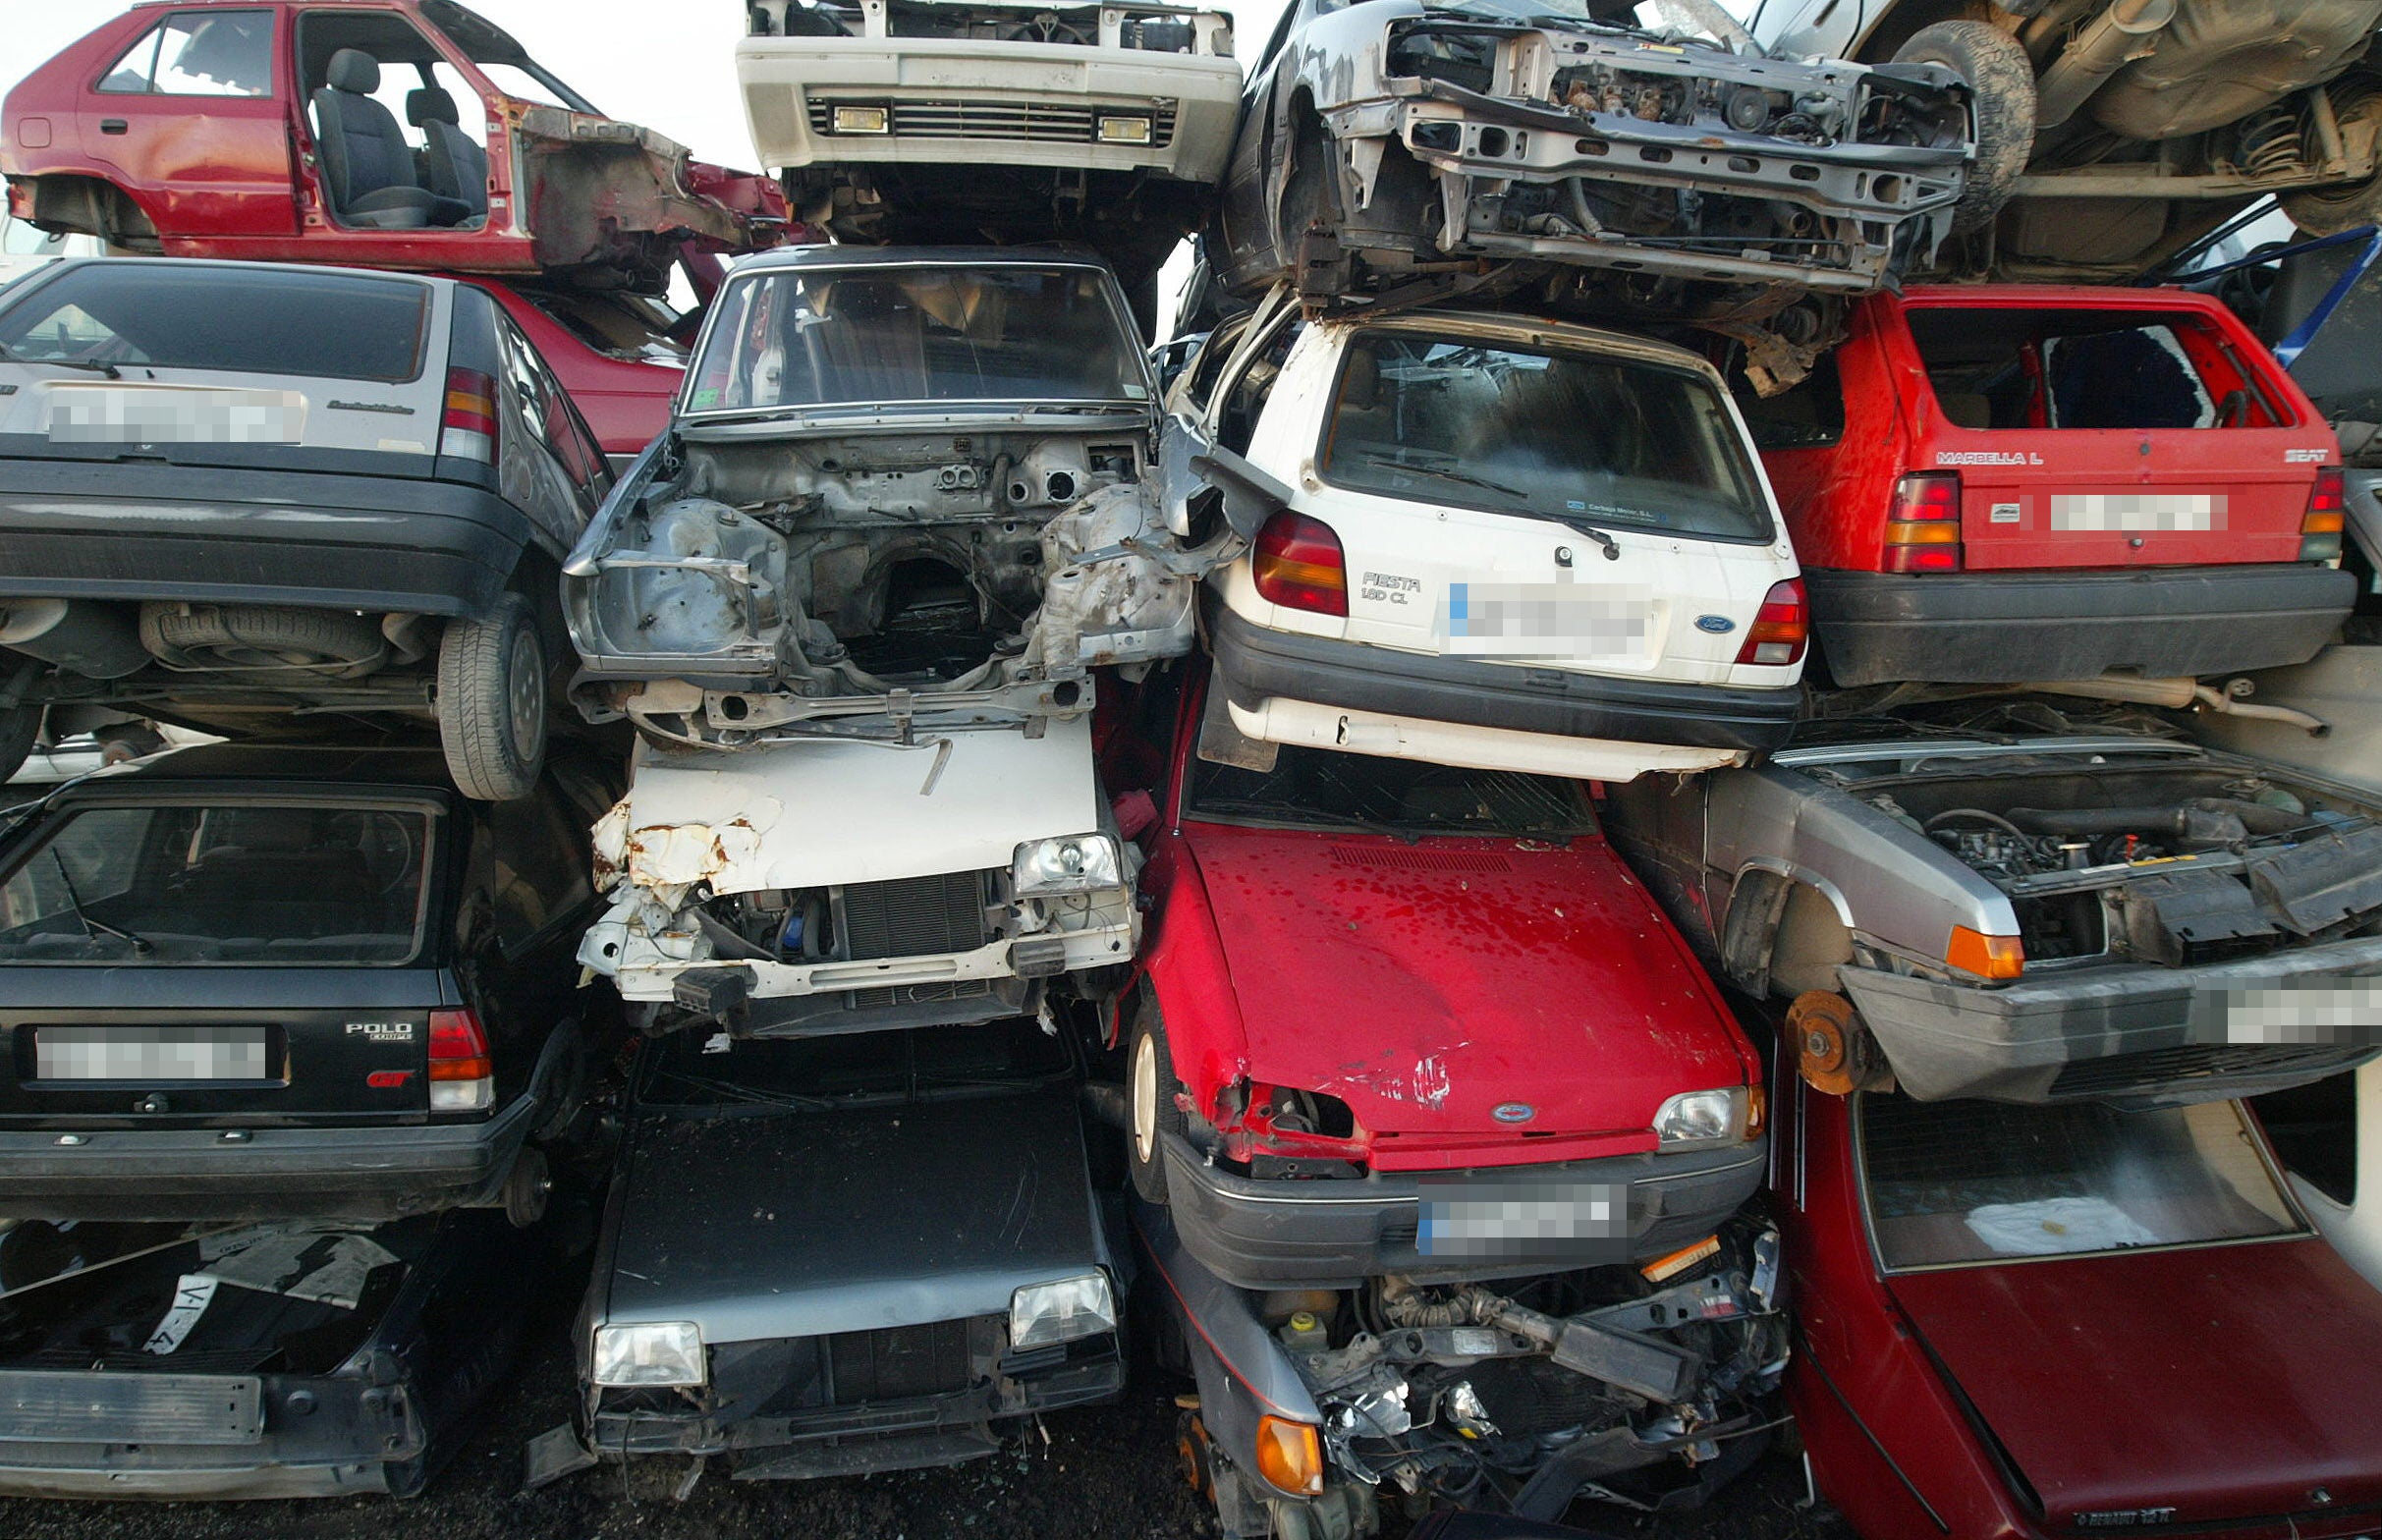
[
  {"x": 1771, "y": 902},
  {"x": 86, "y": 202}
]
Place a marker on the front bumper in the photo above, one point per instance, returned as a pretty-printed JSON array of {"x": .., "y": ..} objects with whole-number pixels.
[
  {"x": 186, "y": 1436},
  {"x": 366, "y": 1175},
  {"x": 2132, "y": 1035},
  {"x": 1335, "y": 1233},
  {"x": 955, "y": 101},
  {"x": 2007, "y": 628}
]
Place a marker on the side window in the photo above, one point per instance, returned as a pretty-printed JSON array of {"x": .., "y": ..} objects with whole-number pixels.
[
  {"x": 198, "y": 53},
  {"x": 1245, "y": 397},
  {"x": 1208, "y": 363},
  {"x": 1809, "y": 414},
  {"x": 541, "y": 869},
  {"x": 546, "y": 411}
]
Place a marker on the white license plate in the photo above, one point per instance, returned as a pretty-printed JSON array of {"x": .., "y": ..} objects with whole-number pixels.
[
  {"x": 2130, "y": 511},
  {"x": 172, "y": 414},
  {"x": 150, "y": 1054},
  {"x": 1547, "y": 619},
  {"x": 1501, "y": 1219},
  {"x": 2347, "y": 1012}
]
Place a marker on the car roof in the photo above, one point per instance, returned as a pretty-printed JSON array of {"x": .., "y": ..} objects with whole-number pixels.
[{"x": 830, "y": 254}]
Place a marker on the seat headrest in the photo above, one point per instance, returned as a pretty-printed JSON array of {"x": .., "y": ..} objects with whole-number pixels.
[
  {"x": 430, "y": 105},
  {"x": 354, "y": 70},
  {"x": 1964, "y": 410}
]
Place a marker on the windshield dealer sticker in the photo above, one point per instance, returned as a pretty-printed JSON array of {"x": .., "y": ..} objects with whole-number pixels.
[{"x": 191, "y": 1296}]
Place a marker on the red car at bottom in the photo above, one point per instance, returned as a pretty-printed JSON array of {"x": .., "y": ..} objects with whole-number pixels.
[{"x": 2047, "y": 1321}]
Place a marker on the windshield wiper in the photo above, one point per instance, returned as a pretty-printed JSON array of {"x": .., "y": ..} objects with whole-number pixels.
[
  {"x": 1611, "y": 546},
  {"x": 96, "y": 365},
  {"x": 140, "y": 945}
]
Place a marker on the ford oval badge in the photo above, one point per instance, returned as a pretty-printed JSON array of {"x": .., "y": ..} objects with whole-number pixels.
[
  {"x": 1513, "y": 1112},
  {"x": 1717, "y": 624}
]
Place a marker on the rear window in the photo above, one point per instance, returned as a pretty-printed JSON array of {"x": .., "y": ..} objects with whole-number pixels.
[
  {"x": 292, "y": 885},
  {"x": 2061, "y": 368},
  {"x": 685, "y": 1072},
  {"x": 191, "y": 316},
  {"x": 1984, "y": 1181},
  {"x": 1287, "y": 786},
  {"x": 1584, "y": 439}
]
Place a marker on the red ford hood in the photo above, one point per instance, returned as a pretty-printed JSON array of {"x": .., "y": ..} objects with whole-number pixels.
[
  {"x": 2226, "y": 1382},
  {"x": 1425, "y": 984}
]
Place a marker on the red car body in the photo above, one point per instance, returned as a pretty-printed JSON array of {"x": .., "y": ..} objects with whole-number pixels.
[
  {"x": 2218, "y": 1389},
  {"x": 1994, "y": 484},
  {"x": 623, "y": 396},
  {"x": 1476, "y": 1003},
  {"x": 241, "y": 176}
]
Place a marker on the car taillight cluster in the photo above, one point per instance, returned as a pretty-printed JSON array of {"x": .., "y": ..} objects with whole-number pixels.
[
  {"x": 1298, "y": 564},
  {"x": 462, "y": 1078},
  {"x": 1924, "y": 528},
  {"x": 1782, "y": 627},
  {"x": 2327, "y": 509},
  {"x": 467, "y": 429}
]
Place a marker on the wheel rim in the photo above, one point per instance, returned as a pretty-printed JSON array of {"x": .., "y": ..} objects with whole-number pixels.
[
  {"x": 525, "y": 687},
  {"x": 1145, "y": 1099}
]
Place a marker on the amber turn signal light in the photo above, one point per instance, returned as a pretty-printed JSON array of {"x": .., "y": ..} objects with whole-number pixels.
[
  {"x": 1987, "y": 956},
  {"x": 1290, "y": 1455}
]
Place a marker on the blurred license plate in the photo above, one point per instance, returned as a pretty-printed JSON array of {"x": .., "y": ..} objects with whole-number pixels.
[
  {"x": 2347, "y": 1012},
  {"x": 1502, "y": 1219},
  {"x": 1547, "y": 619},
  {"x": 160, "y": 414},
  {"x": 151, "y": 1053}
]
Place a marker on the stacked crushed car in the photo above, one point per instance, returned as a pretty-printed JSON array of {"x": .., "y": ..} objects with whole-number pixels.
[{"x": 1242, "y": 840}]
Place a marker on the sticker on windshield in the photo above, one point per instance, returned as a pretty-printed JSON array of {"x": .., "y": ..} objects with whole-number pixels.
[{"x": 1547, "y": 619}]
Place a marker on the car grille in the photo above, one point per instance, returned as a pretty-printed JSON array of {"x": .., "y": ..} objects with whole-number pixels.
[
  {"x": 898, "y": 1364},
  {"x": 1040, "y": 123},
  {"x": 918, "y": 994},
  {"x": 916, "y": 916},
  {"x": 2146, "y": 1071}
]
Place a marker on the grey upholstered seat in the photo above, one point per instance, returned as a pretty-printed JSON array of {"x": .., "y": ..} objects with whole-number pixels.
[
  {"x": 457, "y": 165},
  {"x": 366, "y": 163}
]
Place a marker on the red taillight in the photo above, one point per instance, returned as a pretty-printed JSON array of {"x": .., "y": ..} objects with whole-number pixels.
[
  {"x": 1923, "y": 527},
  {"x": 1781, "y": 629},
  {"x": 467, "y": 431},
  {"x": 2327, "y": 511},
  {"x": 1297, "y": 562},
  {"x": 461, "y": 1079}
]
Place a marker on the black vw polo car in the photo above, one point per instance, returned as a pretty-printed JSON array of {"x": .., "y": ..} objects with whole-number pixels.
[{"x": 296, "y": 980}]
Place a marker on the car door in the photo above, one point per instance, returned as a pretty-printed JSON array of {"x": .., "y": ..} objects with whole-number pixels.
[
  {"x": 551, "y": 468},
  {"x": 1245, "y": 211},
  {"x": 195, "y": 117}
]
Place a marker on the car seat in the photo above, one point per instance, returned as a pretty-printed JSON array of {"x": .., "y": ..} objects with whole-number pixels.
[
  {"x": 456, "y": 164},
  {"x": 367, "y": 166}
]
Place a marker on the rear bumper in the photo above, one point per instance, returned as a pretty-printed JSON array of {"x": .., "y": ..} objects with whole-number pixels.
[
  {"x": 2007, "y": 628},
  {"x": 2128, "y": 1034},
  {"x": 1257, "y": 664},
  {"x": 368, "y": 1175},
  {"x": 1336, "y": 1234},
  {"x": 129, "y": 531}
]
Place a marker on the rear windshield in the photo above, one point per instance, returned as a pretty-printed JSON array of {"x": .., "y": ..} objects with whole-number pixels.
[
  {"x": 341, "y": 327},
  {"x": 1984, "y": 1182},
  {"x": 293, "y": 885},
  {"x": 688, "y": 1073},
  {"x": 879, "y": 336},
  {"x": 1578, "y": 437},
  {"x": 2062, "y": 368},
  {"x": 1326, "y": 789}
]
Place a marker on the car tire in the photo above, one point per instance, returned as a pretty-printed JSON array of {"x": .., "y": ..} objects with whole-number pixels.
[
  {"x": 1149, "y": 1102},
  {"x": 492, "y": 701},
  {"x": 2001, "y": 79},
  {"x": 263, "y": 639},
  {"x": 20, "y": 730},
  {"x": 2328, "y": 211},
  {"x": 528, "y": 1186}
]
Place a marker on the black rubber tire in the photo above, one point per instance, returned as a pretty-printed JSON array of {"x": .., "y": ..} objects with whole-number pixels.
[
  {"x": 492, "y": 701},
  {"x": 2327, "y": 211},
  {"x": 528, "y": 1186},
  {"x": 20, "y": 730},
  {"x": 2001, "y": 79},
  {"x": 263, "y": 638},
  {"x": 1149, "y": 1101}
]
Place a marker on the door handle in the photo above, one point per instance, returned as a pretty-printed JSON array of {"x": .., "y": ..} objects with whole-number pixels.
[{"x": 114, "y": 125}]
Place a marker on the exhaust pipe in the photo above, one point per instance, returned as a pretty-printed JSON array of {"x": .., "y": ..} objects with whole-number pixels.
[
  {"x": 2181, "y": 695},
  {"x": 95, "y": 640},
  {"x": 2125, "y": 31}
]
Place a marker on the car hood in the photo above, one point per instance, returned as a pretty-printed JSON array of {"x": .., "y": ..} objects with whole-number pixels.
[
  {"x": 2211, "y": 1379},
  {"x": 1428, "y": 984},
  {"x": 757, "y": 1228}
]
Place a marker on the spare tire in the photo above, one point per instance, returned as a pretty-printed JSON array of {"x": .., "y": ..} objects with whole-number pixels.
[
  {"x": 2001, "y": 82},
  {"x": 262, "y": 640}
]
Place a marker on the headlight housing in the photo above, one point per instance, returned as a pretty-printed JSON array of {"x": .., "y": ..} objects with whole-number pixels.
[
  {"x": 1071, "y": 863},
  {"x": 1695, "y": 1118},
  {"x": 648, "y": 1354},
  {"x": 1040, "y": 1314}
]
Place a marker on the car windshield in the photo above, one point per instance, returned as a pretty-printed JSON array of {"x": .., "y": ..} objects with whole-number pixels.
[
  {"x": 1325, "y": 789},
  {"x": 691, "y": 1075},
  {"x": 878, "y": 335},
  {"x": 1581, "y": 438},
  {"x": 1970, "y": 1182},
  {"x": 247, "y": 883},
  {"x": 347, "y": 326}
]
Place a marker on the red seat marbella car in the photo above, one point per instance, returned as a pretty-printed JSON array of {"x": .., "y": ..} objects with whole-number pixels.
[
  {"x": 1409, "y": 1046},
  {"x": 2005, "y": 484},
  {"x": 2038, "y": 1321}
]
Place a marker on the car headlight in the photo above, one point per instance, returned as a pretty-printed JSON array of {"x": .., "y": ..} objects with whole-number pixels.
[
  {"x": 1040, "y": 1314},
  {"x": 1071, "y": 864},
  {"x": 1701, "y": 1118},
  {"x": 648, "y": 1352}
]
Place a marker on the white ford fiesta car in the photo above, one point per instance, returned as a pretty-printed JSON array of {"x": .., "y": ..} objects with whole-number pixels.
[{"x": 1486, "y": 540}]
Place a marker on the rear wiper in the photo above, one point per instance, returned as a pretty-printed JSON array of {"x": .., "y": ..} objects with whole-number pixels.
[
  {"x": 96, "y": 365},
  {"x": 142, "y": 945},
  {"x": 1612, "y": 547}
]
